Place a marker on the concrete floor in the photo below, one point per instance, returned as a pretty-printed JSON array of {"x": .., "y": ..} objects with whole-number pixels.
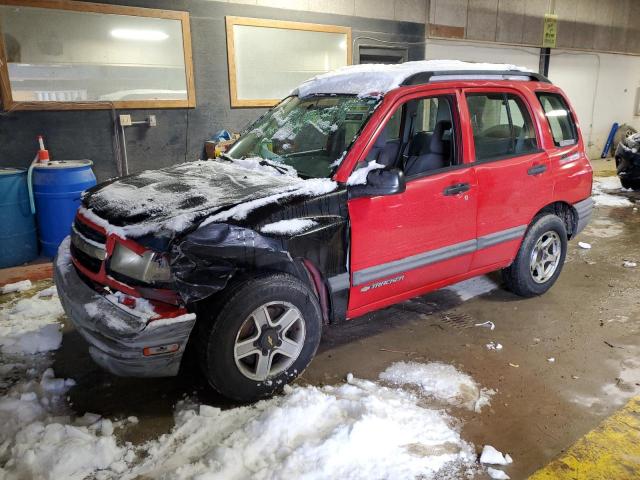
[{"x": 589, "y": 322}]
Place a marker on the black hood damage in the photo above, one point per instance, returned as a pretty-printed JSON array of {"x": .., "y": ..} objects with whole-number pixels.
[{"x": 174, "y": 199}]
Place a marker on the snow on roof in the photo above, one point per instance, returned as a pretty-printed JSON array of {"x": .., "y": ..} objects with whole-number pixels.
[{"x": 380, "y": 78}]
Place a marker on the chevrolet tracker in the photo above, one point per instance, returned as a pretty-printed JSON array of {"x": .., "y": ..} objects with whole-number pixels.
[{"x": 365, "y": 187}]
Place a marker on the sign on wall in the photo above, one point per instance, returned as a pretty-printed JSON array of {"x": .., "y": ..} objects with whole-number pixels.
[{"x": 550, "y": 30}]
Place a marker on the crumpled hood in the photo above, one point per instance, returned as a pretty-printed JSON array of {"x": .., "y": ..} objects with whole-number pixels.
[{"x": 172, "y": 199}]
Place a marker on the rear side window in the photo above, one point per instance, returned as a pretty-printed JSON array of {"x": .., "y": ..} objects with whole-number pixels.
[
  {"x": 563, "y": 129},
  {"x": 502, "y": 126}
]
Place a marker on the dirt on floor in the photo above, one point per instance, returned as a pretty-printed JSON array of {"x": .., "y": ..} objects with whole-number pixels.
[{"x": 570, "y": 357}]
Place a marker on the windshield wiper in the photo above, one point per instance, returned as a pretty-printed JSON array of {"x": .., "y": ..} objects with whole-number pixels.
[
  {"x": 267, "y": 163},
  {"x": 263, "y": 162}
]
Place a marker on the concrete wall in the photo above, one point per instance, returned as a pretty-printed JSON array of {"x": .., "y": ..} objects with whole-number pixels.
[
  {"x": 181, "y": 133},
  {"x": 602, "y": 25},
  {"x": 602, "y": 87},
  {"x": 482, "y": 52},
  {"x": 401, "y": 10}
]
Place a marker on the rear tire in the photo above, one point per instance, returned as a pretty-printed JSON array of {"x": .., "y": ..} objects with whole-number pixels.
[
  {"x": 540, "y": 258},
  {"x": 261, "y": 334}
]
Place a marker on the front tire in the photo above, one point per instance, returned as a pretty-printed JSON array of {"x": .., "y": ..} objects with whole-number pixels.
[
  {"x": 264, "y": 333},
  {"x": 540, "y": 258}
]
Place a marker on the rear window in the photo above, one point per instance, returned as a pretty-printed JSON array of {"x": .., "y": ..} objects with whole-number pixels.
[
  {"x": 501, "y": 126},
  {"x": 563, "y": 129}
]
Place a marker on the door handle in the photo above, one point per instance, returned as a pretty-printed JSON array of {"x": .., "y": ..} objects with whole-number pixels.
[
  {"x": 537, "y": 170},
  {"x": 456, "y": 189}
]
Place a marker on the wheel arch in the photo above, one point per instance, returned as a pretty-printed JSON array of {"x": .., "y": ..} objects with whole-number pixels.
[{"x": 565, "y": 211}]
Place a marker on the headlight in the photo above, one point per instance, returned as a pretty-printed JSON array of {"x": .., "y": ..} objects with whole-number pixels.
[{"x": 150, "y": 267}]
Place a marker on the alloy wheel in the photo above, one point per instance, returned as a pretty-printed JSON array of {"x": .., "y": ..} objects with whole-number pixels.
[
  {"x": 545, "y": 256},
  {"x": 269, "y": 340}
]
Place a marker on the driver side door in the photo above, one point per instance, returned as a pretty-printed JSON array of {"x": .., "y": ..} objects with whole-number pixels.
[{"x": 406, "y": 244}]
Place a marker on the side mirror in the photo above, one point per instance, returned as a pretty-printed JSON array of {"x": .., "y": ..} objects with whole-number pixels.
[{"x": 380, "y": 182}]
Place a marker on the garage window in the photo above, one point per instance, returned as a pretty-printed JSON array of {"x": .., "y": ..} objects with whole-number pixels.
[
  {"x": 563, "y": 129},
  {"x": 269, "y": 58},
  {"x": 75, "y": 55},
  {"x": 502, "y": 126}
]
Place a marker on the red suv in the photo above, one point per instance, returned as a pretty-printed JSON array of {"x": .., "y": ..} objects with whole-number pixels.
[{"x": 365, "y": 187}]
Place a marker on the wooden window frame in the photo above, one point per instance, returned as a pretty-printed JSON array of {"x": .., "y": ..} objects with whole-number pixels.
[
  {"x": 5, "y": 86},
  {"x": 284, "y": 25}
]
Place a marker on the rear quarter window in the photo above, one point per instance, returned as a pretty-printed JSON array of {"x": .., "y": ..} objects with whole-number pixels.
[{"x": 563, "y": 128}]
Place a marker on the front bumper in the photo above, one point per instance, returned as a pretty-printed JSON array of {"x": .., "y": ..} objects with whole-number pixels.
[{"x": 115, "y": 336}]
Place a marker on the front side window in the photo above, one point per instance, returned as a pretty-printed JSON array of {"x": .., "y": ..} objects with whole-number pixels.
[
  {"x": 563, "y": 129},
  {"x": 501, "y": 126},
  {"x": 418, "y": 138},
  {"x": 309, "y": 134},
  {"x": 431, "y": 144}
]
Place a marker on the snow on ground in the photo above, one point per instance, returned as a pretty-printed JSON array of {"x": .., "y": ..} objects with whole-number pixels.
[
  {"x": 473, "y": 287},
  {"x": 379, "y": 78},
  {"x": 289, "y": 227},
  {"x": 29, "y": 325},
  {"x": 492, "y": 456},
  {"x": 359, "y": 429},
  {"x": 16, "y": 287},
  {"x": 604, "y": 189},
  {"x": 439, "y": 381},
  {"x": 355, "y": 430},
  {"x": 39, "y": 437}
]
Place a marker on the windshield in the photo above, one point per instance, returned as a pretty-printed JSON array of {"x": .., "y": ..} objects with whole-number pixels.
[{"x": 309, "y": 134}]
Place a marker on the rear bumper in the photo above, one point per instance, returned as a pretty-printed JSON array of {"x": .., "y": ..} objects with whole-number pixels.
[
  {"x": 115, "y": 336},
  {"x": 584, "y": 209}
]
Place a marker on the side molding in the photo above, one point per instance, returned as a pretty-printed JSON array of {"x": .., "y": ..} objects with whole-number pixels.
[{"x": 384, "y": 270}]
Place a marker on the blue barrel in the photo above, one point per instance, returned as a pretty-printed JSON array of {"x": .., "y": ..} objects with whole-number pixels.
[
  {"x": 57, "y": 186},
  {"x": 18, "y": 241}
]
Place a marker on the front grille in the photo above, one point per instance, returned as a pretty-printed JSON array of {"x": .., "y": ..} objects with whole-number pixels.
[
  {"x": 90, "y": 263},
  {"x": 89, "y": 232},
  {"x": 87, "y": 246}
]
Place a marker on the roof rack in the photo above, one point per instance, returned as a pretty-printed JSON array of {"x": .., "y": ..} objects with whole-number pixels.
[{"x": 426, "y": 77}]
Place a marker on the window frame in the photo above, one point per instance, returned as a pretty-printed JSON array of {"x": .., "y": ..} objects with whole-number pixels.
[
  {"x": 457, "y": 134},
  {"x": 401, "y": 103},
  {"x": 505, "y": 93},
  {"x": 572, "y": 123},
  {"x": 231, "y": 21},
  {"x": 190, "y": 102}
]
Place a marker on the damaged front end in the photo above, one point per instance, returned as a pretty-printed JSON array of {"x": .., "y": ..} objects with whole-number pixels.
[
  {"x": 132, "y": 330},
  {"x": 204, "y": 261},
  {"x": 135, "y": 300}
]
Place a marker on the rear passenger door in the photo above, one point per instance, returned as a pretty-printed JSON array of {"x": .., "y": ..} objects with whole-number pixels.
[{"x": 512, "y": 170}]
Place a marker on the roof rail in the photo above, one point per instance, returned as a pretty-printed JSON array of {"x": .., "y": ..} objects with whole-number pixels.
[{"x": 426, "y": 77}]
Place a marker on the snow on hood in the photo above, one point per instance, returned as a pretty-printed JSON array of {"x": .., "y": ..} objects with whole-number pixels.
[
  {"x": 172, "y": 199},
  {"x": 380, "y": 78}
]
